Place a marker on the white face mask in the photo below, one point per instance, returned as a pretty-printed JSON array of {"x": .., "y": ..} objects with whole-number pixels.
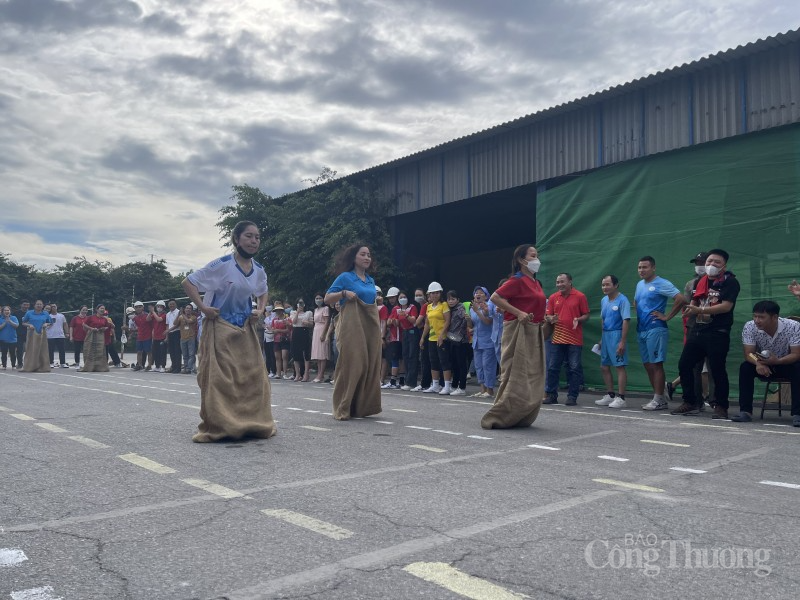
[
  {"x": 419, "y": 299},
  {"x": 712, "y": 271},
  {"x": 318, "y": 302},
  {"x": 533, "y": 265},
  {"x": 700, "y": 270},
  {"x": 403, "y": 301}
]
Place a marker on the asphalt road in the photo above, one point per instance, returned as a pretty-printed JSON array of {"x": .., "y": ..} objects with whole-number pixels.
[{"x": 105, "y": 496}]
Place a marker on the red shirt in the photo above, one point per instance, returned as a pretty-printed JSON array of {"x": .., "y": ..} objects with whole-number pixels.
[
  {"x": 144, "y": 328},
  {"x": 101, "y": 323},
  {"x": 523, "y": 293},
  {"x": 409, "y": 311},
  {"x": 78, "y": 332},
  {"x": 159, "y": 327},
  {"x": 568, "y": 308}
]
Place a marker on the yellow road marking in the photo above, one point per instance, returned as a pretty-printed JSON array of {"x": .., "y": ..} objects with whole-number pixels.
[
  {"x": 87, "y": 441},
  {"x": 459, "y": 582},
  {"x": 632, "y": 486},
  {"x": 22, "y": 417},
  {"x": 313, "y": 428},
  {"x": 51, "y": 427},
  {"x": 213, "y": 488},
  {"x": 427, "y": 448},
  {"x": 146, "y": 463},
  {"x": 321, "y": 527},
  {"x": 665, "y": 443}
]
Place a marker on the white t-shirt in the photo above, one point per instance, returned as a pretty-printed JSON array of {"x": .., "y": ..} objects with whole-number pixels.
[
  {"x": 56, "y": 330},
  {"x": 171, "y": 316},
  {"x": 229, "y": 289},
  {"x": 786, "y": 336}
]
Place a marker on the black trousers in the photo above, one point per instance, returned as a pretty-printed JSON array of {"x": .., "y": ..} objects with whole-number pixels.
[
  {"x": 175, "y": 356},
  {"x": 21, "y": 348},
  {"x": 747, "y": 382},
  {"x": 460, "y": 364},
  {"x": 269, "y": 354},
  {"x": 59, "y": 344},
  {"x": 112, "y": 352},
  {"x": 705, "y": 342},
  {"x": 160, "y": 353},
  {"x": 78, "y": 347}
]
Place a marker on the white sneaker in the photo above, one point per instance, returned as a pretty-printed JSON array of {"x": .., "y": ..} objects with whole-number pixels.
[
  {"x": 434, "y": 389},
  {"x": 655, "y": 405},
  {"x": 604, "y": 401},
  {"x": 386, "y": 386},
  {"x": 271, "y": 375},
  {"x": 458, "y": 392},
  {"x": 446, "y": 390},
  {"x": 406, "y": 388},
  {"x": 417, "y": 389},
  {"x": 618, "y": 403}
]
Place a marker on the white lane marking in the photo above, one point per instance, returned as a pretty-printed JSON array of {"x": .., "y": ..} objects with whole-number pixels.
[
  {"x": 192, "y": 406},
  {"x": 386, "y": 422},
  {"x": 632, "y": 486},
  {"x": 87, "y": 441},
  {"x": 213, "y": 488},
  {"x": 447, "y": 432},
  {"x": 660, "y": 443},
  {"x": 146, "y": 463},
  {"x": 326, "y": 414},
  {"x": 479, "y": 437},
  {"x": 159, "y": 401},
  {"x": 778, "y": 432},
  {"x": 418, "y": 427},
  {"x": 459, "y": 582},
  {"x": 403, "y": 410},
  {"x": 313, "y": 428},
  {"x": 792, "y": 486},
  {"x": 11, "y": 556},
  {"x": 321, "y": 527},
  {"x": 540, "y": 447},
  {"x": 134, "y": 396},
  {"x": 712, "y": 426},
  {"x": 312, "y": 411},
  {"x": 774, "y": 425},
  {"x": 293, "y": 408},
  {"x": 600, "y": 414},
  {"x": 4, "y": 409},
  {"x": 51, "y": 427},
  {"x": 115, "y": 393},
  {"x": 686, "y": 470},
  {"x": 22, "y": 417},
  {"x": 40, "y": 593},
  {"x": 314, "y": 399},
  {"x": 616, "y": 458},
  {"x": 426, "y": 448}
]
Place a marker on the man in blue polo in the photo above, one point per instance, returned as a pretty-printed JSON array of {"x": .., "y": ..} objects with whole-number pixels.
[{"x": 652, "y": 293}]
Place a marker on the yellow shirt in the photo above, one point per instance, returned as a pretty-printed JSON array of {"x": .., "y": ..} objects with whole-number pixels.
[{"x": 436, "y": 319}]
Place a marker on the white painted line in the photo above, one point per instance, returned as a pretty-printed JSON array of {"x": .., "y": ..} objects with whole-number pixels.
[
  {"x": 685, "y": 470},
  {"x": 629, "y": 410},
  {"x": 459, "y": 582},
  {"x": 770, "y": 431},
  {"x": 774, "y": 425},
  {"x": 87, "y": 441},
  {"x": 11, "y": 556},
  {"x": 159, "y": 401},
  {"x": 386, "y": 422},
  {"x": 312, "y": 428},
  {"x": 792, "y": 486},
  {"x": 403, "y": 410},
  {"x": 447, "y": 432},
  {"x": 704, "y": 425},
  {"x": 601, "y": 414},
  {"x": 67, "y": 385},
  {"x": 192, "y": 406},
  {"x": 542, "y": 447},
  {"x": 665, "y": 443},
  {"x": 115, "y": 393},
  {"x": 479, "y": 437},
  {"x": 616, "y": 458},
  {"x": 40, "y": 593},
  {"x": 146, "y": 463},
  {"x": 426, "y": 448},
  {"x": 326, "y": 414},
  {"x": 418, "y": 427},
  {"x": 213, "y": 488},
  {"x": 4, "y": 409},
  {"x": 312, "y": 411},
  {"x": 22, "y": 417},
  {"x": 51, "y": 427},
  {"x": 293, "y": 408},
  {"x": 314, "y": 399},
  {"x": 134, "y": 396},
  {"x": 321, "y": 527},
  {"x": 625, "y": 484}
]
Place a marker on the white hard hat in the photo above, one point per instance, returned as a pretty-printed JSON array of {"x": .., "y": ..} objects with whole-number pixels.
[
  {"x": 435, "y": 286},
  {"x": 138, "y": 303},
  {"x": 160, "y": 303},
  {"x": 378, "y": 289},
  {"x": 129, "y": 310},
  {"x": 194, "y": 306},
  {"x": 393, "y": 291}
]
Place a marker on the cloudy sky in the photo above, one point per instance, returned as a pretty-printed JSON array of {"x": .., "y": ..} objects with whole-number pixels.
[{"x": 124, "y": 123}]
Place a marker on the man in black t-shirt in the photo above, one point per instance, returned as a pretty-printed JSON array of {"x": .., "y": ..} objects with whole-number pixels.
[
  {"x": 22, "y": 332},
  {"x": 712, "y": 306}
]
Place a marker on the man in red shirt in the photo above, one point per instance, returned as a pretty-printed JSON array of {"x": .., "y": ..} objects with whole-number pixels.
[
  {"x": 144, "y": 335},
  {"x": 77, "y": 333},
  {"x": 567, "y": 310}
]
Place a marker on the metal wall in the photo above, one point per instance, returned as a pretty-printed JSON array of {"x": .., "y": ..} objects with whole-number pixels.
[{"x": 733, "y": 93}]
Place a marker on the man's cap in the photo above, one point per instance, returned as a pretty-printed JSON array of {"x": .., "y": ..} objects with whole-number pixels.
[
  {"x": 138, "y": 303},
  {"x": 700, "y": 256}
]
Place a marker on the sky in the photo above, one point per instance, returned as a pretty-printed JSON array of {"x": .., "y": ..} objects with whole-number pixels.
[{"x": 124, "y": 124}]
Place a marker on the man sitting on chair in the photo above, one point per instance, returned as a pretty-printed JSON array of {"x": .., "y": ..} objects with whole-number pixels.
[{"x": 771, "y": 350}]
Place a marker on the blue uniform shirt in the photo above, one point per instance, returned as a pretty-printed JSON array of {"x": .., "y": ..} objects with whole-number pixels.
[
  {"x": 614, "y": 312},
  {"x": 352, "y": 283},
  {"x": 650, "y": 296}
]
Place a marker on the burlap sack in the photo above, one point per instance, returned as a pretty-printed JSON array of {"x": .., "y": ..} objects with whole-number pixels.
[
  {"x": 357, "y": 388},
  {"x": 522, "y": 374},
  {"x": 235, "y": 393},
  {"x": 94, "y": 353},
  {"x": 37, "y": 357}
]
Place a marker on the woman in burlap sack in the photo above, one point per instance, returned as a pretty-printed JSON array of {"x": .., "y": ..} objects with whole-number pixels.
[
  {"x": 522, "y": 364},
  {"x": 37, "y": 354},
  {"x": 357, "y": 387},
  {"x": 234, "y": 387},
  {"x": 94, "y": 347}
]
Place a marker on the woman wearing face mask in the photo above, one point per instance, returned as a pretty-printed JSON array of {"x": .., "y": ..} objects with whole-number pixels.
[
  {"x": 522, "y": 369},
  {"x": 482, "y": 314},
  {"x": 160, "y": 337},
  {"x": 404, "y": 317},
  {"x": 37, "y": 354},
  {"x": 77, "y": 333},
  {"x": 96, "y": 329},
  {"x": 357, "y": 386},
  {"x": 234, "y": 388},
  {"x": 8, "y": 336},
  {"x": 302, "y": 325},
  {"x": 420, "y": 301},
  {"x": 394, "y": 345},
  {"x": 458, "y": 342},
  {"x": 320, "y": 348}
]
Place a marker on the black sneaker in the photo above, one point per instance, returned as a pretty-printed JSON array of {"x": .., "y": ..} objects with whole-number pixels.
[
  {"x": 685, "y": 409},
  {"x": 571, "y": 402},
  {"x": 719, "y": 412},
  {"x": 550, "y": 401},
  {"x": 670, "y": 390},
  {"x": 742, "y": 417}
]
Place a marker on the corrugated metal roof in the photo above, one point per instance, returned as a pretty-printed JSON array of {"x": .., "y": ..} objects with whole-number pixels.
[{"x": 725, "y": 56}]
